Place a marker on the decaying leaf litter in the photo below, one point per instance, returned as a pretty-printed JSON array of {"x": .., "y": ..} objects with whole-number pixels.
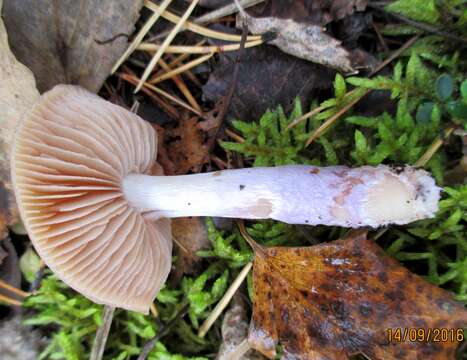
[{"x": 185, "y": 102}]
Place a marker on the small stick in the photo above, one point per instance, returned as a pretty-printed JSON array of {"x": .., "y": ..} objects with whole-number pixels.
[
  {"x": 14, "y": 290},
  {"x": 240, "y": 350},
  {"x": 10, "y": 301},
  {"x": 225, "y": 10},
  {"x": 225, "y": 101},
  {"x": 154, "y": 311},
  {"x": 180, "y": 49},
  {"x": 395, "y": 54},
  {"x": 134, "y": 80},
  {"x": 421, "y": 26},
  {"x": 329, "y": 122},
  {"x": 102, "y": 333},
  {"x": 380, "y": 37},
  {"x": 141, "y": 33},
  {"x": 166, "y": 43},
  {"x": 219, "y": 162},
  {"x": 433, "y": 148},
  {"x": 201, "y": 30},
  {"x": 214, "y": 15},
  {"x": 234, "y": 136},
  {"x": 181, "y": 69},
  {"x": 222, "y": 304},
  {"x": 181, "y": 86},
  {"x": 162, "y": 331}
]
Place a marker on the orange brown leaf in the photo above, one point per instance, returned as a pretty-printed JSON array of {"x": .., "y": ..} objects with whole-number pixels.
[{"x": 337, "y": 299}]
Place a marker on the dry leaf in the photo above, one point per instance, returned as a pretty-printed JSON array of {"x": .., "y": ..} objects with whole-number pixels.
[
  {"x": 318, "y": 12},
  {"x": 70, "y": 41},
  {"x": 234, "y": 330},
  {"x": 306, "y": 41},
  {"x": 190, "y": 236},
  {"x": 336, "y": 299},
  {"x": 17, "y": 93},
  {"x": 184, "y": 147},
  {"x": 267, "y": 77}
]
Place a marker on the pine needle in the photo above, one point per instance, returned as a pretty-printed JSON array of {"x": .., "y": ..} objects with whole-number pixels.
[{"x": 164, "y": 45}]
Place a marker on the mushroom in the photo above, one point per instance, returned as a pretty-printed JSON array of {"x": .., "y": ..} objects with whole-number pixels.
[{"x": 81, "y": 171}]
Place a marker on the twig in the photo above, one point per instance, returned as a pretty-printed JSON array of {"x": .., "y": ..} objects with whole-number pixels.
[
  {"x": 226, "y": 10},
  {"x": 224, "y": 103},
  {"x": 14, "y": 290},
  {"x": 179, "y": 49},
  {"x": 222, "y": 304},
  {"x": 166, "y": 43},
  {"x": 134, "y": 80},
  {"x": 10, "y": 301},
  {"x": 421, "y": 26},
  {"x": 162, "y": 331},
  {"x": 433, "y": 148},
  {"x": 154, "y": 311},
  {"x": 181, "y": 69},
  {"x": 240, "y": 350},
  {"x": 102, "y": 333},
  {"x": 181, "y": 86},
  {"x": 214, "y": 15},
  {"x": 234, "y": 136},
  {"x": 395, "y": 54},
  {"x": 329, "y": 122},
  {"x": 141, "y": 33},
  {"x": 201, "y": 30}
]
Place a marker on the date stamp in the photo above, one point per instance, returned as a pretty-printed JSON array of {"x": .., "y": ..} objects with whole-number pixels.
[{"x": 435, "y": 335}]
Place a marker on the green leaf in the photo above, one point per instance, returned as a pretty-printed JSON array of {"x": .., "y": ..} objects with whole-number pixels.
[
  {"x": 424, "y": 112},
  {"x": 444, "y": 86},
  {"x": 420, "y": 10},
  {"x": 457, "y": 109},
  {"x": 340, "y": 87},
  {"x": 29, "y": 264},
  {"x": 464, "y": 89}
]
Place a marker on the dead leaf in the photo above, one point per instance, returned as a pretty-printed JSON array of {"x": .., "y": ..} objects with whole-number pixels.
[
  {"x": 333, "y": 300},
  {"x": 182, "y": 149},
  {"x": 17, "y": 93},
  {"x": 70, "y": 41},
  {"x": 190, "y": 236},
  {"x": 303, "y": 40},
  {"x": 319, "y": 12},
  {"x": 234, "y": 330},
  {"x": 267, "y": 78}
]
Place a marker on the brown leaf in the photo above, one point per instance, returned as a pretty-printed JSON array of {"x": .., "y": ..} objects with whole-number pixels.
[
  {"x": 319, "y": 12},
  {"x": 70, "y": 41},
  {"x": 190, "y": 236},
  {"x": 17, "y": 93},
  {"x": 184, "y": 149},
  {"x": 267, "y": 78},
  {"x": 336, "y": 299}
]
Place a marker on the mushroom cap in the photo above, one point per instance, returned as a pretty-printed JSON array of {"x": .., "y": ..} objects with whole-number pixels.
[{"x": 70, "y": 154}]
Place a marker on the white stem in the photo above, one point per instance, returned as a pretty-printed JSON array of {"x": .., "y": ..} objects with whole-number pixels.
[{"x": 296, "y": 194}]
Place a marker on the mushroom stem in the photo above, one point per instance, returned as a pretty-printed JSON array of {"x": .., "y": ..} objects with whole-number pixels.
[{"x": 298, "y": 194}]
